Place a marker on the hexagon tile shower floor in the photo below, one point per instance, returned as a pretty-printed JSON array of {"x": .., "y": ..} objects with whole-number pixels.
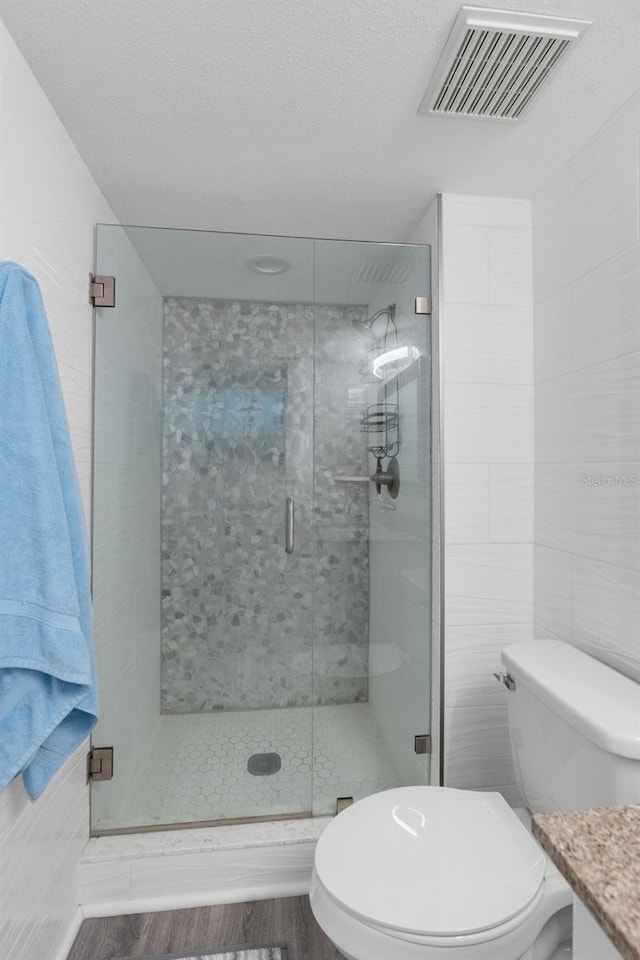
[{"x": 196, "y": 768}]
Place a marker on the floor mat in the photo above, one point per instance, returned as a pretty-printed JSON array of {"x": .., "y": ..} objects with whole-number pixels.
[{"x": 256, "y": 952}]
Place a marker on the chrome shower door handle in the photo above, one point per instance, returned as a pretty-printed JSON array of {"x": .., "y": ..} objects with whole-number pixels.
[{"x": 289, "y": 523}]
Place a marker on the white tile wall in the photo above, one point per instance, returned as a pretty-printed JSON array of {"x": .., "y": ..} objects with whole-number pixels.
[
  {"x": 467, "y": 519},
  {"x": 465, "y": 262},
  {"x": 475, "y": 715},
  {"x": 605, "y": 607},
  {"x": 488, "y": 343},
  {"x": 552, "y": 594},
  {"x": 510, "y": 277},
  {"x": 552, "y": 336},
  {"x": 494, "y": 212},
  {"x": 614, "y": 134},
  {"x": 48, "y": 207},
  {"x": 587, "y": 356},
  {"x": 41, "y": 847},
  {"x": 487, "y": 422},
  {"x": 487, "y": 329},
  {"x": 592, "y": 414},
  {"x": 587, "y": 510},
  {"x": 488, "y": 583},
  {"x": 605, "y": 305},
  {"x": 510, "y": 499},
  {"x": 593, "y": 222}
]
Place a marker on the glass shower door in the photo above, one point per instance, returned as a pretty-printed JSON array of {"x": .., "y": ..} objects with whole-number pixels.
[
  {"x": 203, "y": 434},
  {"x": 372, "y": 547},
  {"x": 261, "y": 606}
]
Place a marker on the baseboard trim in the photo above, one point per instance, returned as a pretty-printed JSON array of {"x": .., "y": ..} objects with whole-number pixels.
[
  {"x": 204, "y": 899},
  {"x": 70, "y": 935}
]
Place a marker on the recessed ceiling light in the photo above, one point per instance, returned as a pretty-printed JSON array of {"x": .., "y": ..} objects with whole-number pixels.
[{"x": 268, "y": 265}]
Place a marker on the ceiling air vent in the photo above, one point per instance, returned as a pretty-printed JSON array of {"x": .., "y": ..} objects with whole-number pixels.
[
  {"x": 384, "y": 271},
  {"x": 495, "y": 62}
]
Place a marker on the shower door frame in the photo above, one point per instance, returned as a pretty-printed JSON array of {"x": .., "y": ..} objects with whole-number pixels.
[{"x": 242, "y": 819}]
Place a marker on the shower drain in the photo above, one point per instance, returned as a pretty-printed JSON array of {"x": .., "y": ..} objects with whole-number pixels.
[{"x": 264, "y": 764}]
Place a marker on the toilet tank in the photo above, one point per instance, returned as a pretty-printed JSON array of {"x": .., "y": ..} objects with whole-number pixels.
[{"x": 574, "y": 725}]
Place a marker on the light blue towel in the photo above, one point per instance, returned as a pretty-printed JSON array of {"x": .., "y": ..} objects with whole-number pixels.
[{"x": 48, "y": 700}]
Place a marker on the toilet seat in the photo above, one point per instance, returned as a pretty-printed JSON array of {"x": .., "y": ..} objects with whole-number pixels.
[
  {"x": 322, "y": 901},
  {"x": 431, "y": 862}
]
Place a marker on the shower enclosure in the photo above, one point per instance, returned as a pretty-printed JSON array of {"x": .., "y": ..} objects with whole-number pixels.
[{"x": 261, "y": 524}]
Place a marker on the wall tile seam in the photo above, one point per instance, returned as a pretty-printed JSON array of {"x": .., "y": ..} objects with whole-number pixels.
[
  {"x": 489, "y": 227},
  {"x": 563, "y": 377},
  {"x": 591, "y": 366},
  {"x": 638, "y": 183},
  {"x": 580, "y": 159},
  {"x": 525, "y": 619},
  {"x": 525, "y": 301},
  {"x": 537, "y": 302},
  {"x": 488, "y": 625},
  {"x": 525, "y": 231},
  {"x": 557, "y": 209},
  {"x": 491, "y": 543},
  {"x": 546, "y": 631},
  {"x": 494, "y": 730},
  {"x": 528, "y": 386},
  {"x": 491, "y": 382},
  {"x": 482, "y": 628},
  {"x": 633, "y": 462},
  {"x": 523, "y": 312},
  {"x": 488, "y": 202},
  {"x": 474, "y": 304},
  {"x": 612, "y": 462},
  {"x": 561, "y": 550},
  {"x": 474, "y": 545},
  {"x": 507, "y": 462},
  {"x": 574, "y": 555},
  {"x": 481, "y": 764}
]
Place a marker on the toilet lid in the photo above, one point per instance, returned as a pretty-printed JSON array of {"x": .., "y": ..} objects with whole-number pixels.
[{"x": 430, "y": 860}]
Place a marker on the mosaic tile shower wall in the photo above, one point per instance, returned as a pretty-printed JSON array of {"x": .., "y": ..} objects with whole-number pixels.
[{"x": 239, "y": 615}]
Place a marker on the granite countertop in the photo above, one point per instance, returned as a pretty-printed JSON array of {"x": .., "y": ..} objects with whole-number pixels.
[{"x": 598, "y": 852}]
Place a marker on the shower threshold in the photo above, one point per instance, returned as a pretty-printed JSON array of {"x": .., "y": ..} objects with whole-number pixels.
[{"x": 198, "y": 824}]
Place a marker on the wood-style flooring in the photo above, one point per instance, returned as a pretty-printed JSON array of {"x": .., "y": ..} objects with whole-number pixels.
[{"x": 202, "y": 929}]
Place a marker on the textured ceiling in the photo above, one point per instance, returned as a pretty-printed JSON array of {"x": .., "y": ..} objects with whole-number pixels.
[{"x": 300, "y": 116}]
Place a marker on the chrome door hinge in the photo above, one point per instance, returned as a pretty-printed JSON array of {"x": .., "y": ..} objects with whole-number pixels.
[
  {"x": 102, "y": 290},
  {"x": 100, "y": 763},
  {"x": 423, "y": 305},
  {"x": 422, "y": 743}
]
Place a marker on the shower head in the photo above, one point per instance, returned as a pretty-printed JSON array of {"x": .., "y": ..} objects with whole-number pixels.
[
  {"x": 362, "y": 324},
  {"x": 367, "y": 323}
]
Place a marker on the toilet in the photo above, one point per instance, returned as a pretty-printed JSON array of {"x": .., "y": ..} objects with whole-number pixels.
[{"x": 436, "y": 873}]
